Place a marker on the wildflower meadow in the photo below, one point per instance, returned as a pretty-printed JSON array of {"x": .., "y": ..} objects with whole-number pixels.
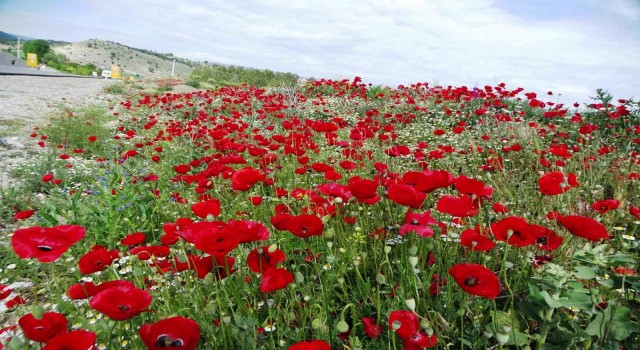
[{"x": 331, "y": 215}]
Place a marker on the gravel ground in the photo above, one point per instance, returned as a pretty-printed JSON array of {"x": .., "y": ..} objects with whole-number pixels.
[{"x": 26, "y": 101}]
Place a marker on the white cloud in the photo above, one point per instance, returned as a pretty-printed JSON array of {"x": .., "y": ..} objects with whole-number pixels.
[{"x": 395, "y": 42}]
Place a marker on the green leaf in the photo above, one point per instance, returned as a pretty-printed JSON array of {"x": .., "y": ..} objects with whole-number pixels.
[
  {"x": 620, "y": 259},
  {"x": 534, "y": 291},
  {"x": 619, "y": 325},
  {"x": 553, "y": 303},
  {"x": 50, "y": 219},
  {"x": 577, "y": 300},
  {"x": 584, "y": 273}
]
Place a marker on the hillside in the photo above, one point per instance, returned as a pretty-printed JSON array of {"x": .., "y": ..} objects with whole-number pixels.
[
  {"x": 133, "y": 61},
  {"x": 4, "y": 36},
  {"x": 7, "y": 36}
]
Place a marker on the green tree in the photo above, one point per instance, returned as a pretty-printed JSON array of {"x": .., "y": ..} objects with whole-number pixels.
[
  {"x": 39, "y": 47},
  {"x": 49, "y": 58}
]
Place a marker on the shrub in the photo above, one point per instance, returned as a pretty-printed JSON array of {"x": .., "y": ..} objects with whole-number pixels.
[{"x": 193, "y": 83}]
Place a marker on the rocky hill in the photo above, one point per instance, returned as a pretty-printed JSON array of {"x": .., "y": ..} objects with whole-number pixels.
[{"x": 145, "y": 63}]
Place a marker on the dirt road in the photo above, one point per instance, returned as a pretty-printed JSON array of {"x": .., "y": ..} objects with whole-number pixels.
[{"x": 26, "y": 101}]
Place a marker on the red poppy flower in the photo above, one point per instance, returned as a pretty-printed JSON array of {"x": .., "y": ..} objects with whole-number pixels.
[
  {"x": 436, "y": 283},
  {"x": 171, "y": 333},
  {"x": 46, "y": 244},
  {"x": 398, "y": 151},
  {"x": 44, "y": 328},
  {"x": 499, "y": 208},
  {"x": 419, "y": 340},
  {"x": 82, "y": 290},
  {"x": 584, "y": 227},
  {"x": 311, "y": 345},
  {"x": 133, "y": 239},
  {"x": 4, "y": 291},
  {"x": 21, "y": 215},
  {"x": 85, "y": 290},
  {"x": 244, "y": 179},
  {"x": 261, "y": 259},
  {"x": 604, "y": 206},
  {"x": 275, "y": 279},
  {"x": 347, "y": 165},
  {"x": 205, "y": 208},
  {"x": 47, "y": 177},
  {"x": 219, "y": 266},
  {"x": 476, "y": 279},
  {"x": 514, "y": 230},
  {"x": 406, "y": 195},
  {"x": 247, "y": 231},
  {"x": 145, "y": 252},
  {"x": 305, "y": 226},
  {"x": 16, "y": 300},
  {"x": 363, "y": 189},
  {"x": 621, "y": 270},
  {"x": 635, "y": 211},
  {"x": 556, "y": 183},
  {"x": 335, "y": 190},
  {"x": 546, "y": 239},
  {"x": 255, "y": 200},
  {"x": 418, "y": 223},
  {"x": 371, "y": 328},
  {"x": 210, "y": 237},
  {"x": 181, "y": 168},
  {"x": 75, "y": 340},
  {"x": 97, "y": 259},
  {"x": 282, "y": 221},
  {"x": 471, "y": 187},
  {"x": 121, "y": 302},
  {"x": 475, "y": 241},
  {"x": 404, "y": 323},
  {"x": 428, "y": 180},
  {"x": 462, "y": 206}
]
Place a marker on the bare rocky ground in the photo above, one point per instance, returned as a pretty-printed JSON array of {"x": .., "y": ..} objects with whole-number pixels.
[{"x": 28, "y": 101}]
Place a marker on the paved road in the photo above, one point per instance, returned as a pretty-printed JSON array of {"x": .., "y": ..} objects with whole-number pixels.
[{"x": 8, "y": 70}]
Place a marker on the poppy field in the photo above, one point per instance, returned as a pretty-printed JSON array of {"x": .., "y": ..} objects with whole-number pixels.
[{"x": 333, "y": 215}]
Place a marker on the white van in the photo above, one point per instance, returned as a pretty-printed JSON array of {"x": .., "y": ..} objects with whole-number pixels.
[{"x": 106, "y": 74}]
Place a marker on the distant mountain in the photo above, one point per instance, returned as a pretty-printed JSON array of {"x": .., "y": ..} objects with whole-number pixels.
[{"x": 12, "y": 37}]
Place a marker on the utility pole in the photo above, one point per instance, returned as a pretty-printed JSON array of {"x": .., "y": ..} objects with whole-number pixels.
[
  {"x": 173, "y": 67},
  {"x": 18, "y": 53}
]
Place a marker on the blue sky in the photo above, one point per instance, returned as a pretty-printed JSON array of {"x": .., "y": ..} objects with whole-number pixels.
[{"x": 570, "y": 47}]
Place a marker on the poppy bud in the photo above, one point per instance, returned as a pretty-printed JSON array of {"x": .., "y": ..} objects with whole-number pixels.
[
  {"x": 37, "y": 311},
  {"x": 317, "y": 323},
  {"x": 411, "y": 304},
  {"x": 330, "y": 232},
  {"x": 502, "y": 338},
  {"x": 342, "y": 326}
]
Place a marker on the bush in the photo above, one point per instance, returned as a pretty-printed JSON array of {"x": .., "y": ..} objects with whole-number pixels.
[
  {"x": 193, "y": 83},
  {"x": 232, "y": 75},
  {"x": 115, "y": 89},
  {"x": 39, "y": 47}
]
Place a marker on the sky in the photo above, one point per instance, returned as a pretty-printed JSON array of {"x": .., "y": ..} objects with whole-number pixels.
[{"x": 570, "y": 47}]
